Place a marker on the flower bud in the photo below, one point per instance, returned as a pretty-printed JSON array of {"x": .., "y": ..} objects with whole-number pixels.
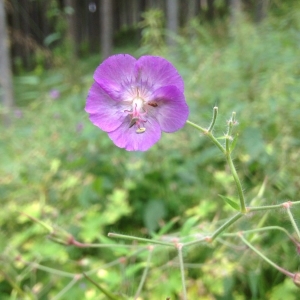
[{"x": 61, "y": 236}]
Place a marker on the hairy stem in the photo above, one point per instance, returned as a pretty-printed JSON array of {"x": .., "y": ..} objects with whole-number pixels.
[
  {"x": 133, "y": 238},
  {"x": 226, "y": 225},
  {"x": 208, "y": 134},
  {"x": 237, "y": 182}
]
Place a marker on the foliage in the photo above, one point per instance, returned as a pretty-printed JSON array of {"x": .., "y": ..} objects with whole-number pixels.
[
  {"x": 152, "y": 31},
  {"x": 58, "y": 168}
]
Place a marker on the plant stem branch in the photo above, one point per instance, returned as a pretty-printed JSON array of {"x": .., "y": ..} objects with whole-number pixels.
[
  {"x": 293, "y": 221},
  {"x": 208, "y": 134},
  {"x": 145, "y": 273},
  {"x": 66, "y": 288},
  {"x": 261, "y": 230},
  {"x": 181, "y": 264},
  {"x": 287, "y": 273},
  {"x": 267, "y": 207},
  {"x": 133, "y": 238},
  {"x": 226, "y": 225},
  {"x": 237, "y": 182}
]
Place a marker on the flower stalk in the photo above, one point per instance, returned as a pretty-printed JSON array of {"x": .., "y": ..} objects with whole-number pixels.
[
  {"x": 237, "y": 182},
  {"x": 215, "y": 115},
  {"x": 208, "y": 134}
]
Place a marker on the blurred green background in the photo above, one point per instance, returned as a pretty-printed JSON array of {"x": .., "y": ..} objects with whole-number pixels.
[{"x": 57, "y": 167}]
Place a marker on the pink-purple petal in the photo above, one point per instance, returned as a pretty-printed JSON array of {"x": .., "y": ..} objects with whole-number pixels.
[
  {"x": 155, "y": 72},
  {"x": 128, "y": 138},
  {"x": 134, "y": 100},
  {"x": 172, "y": 111},
  {"x": 104, "y": 112},
  {"x": 116, "y": 75}
]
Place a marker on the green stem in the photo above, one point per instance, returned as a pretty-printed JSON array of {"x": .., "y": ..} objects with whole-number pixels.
[
  {"x": 108, "y": 294},
  {"x": 287, "y": 273},
  {"x": 208, "y": 134},
  {"x": 181, "y": 264},
  {"x": 226, "y": 152},
  {"x": 237, "y": 182},
  {"x": 66, "y": 288},
  {"x": 50, "y": 270},
  {"x": 145, "y": 273},
  {"x": 103, "y": 267},
  {"x": 217, "y": 232},
  {"x": 226, "y": 225},
  {"x": 293, "y": 221},
  {"x": 15, "y": 286},
  {"x": 231, "y": 122},
  {"x": 195, "y": 241},
  {"x": 133, "y": 238},
  {"x": 267, "y": 207},
  {"x": 84, "y": 245},
  {"x": 262, "y": 229}
]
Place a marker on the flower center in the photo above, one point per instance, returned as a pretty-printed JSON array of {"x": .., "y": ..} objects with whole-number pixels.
[{"x": 137, "y": 113}]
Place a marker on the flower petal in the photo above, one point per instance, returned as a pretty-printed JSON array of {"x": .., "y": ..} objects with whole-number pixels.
[
  {"x": 155, "y": 72},
  {"x": 171, "y": 111},
  {"x": 116, "y": 75},
  {"x": 104, "y": 112},
  {"x": 128, "y": 138}
]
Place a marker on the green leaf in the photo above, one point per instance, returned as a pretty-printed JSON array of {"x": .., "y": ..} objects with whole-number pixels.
[
  {"x": 168, "y": 226},
  {"x": 53, "y": 37},
  {"x": 231, "y": 202}
]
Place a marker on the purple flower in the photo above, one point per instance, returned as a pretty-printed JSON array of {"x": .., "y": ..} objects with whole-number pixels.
[
  {"x": 54, "y": 94},
  {"x": 134, "y": 100}
]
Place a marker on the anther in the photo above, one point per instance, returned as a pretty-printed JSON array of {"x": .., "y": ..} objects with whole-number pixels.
[
  {"x": 153, "y": 104},
  {"x": 141, "y": 130},
  {"x": 132, "y": 122}
]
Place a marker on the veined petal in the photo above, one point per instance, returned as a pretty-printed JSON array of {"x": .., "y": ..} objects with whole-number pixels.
[
  {"x": 171, "y": 111},
  {"x": 116, "y": 75},
  {"x": 104, "y": 112},
  {"x": 128, "y": 138},
  {"x": 154, "y": 72}
]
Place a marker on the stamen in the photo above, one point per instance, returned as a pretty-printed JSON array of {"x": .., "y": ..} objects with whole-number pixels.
[
  {"x": 132, "y": 122},
  {"x": 153, "y": 104}
]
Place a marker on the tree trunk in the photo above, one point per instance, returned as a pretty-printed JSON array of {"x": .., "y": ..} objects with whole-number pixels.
[
  {"x": 72, "y": 30},
  {"x": 5, "y": 65},
  {"x": 210, "y": 9},
  {"x": 172, "y": 21},
  {"x": 192, "y": 9},
  {"x": 235, "y": 7},
  {"x": 106, "y": 28},
  {"x": 261, "y": 10}
]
